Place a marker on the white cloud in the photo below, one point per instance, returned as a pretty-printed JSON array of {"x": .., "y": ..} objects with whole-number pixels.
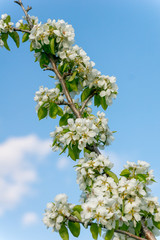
[
  {"x": 63, "y": 163},
  {"x": 29, "y": 219},
  {"x": 18, "y": 156}
]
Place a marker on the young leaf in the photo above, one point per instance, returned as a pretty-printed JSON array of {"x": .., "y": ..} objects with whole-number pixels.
[
  {"x": 77, "y": 214},
  {"x": 8, "y": 19},
  {"x": 64, "y": 118},
  {"x": 141, "y": 177},
  {"x": 60, "y": 111},
  {"x": 63, "y": 232},
  {"x": 112, "y": 175},
  {"x": 72, "y": 77},
  {"x": 74, "y": 152},
  {"x": 97, "y": 100},
  {"x": 74, "y": 227},
  {"x": 42, "y": 112},
  {"x": 15, "y": 37},
  {"x": 44, "y": 60},
  {"x": 138, "y": 228},
  {"x": 103, "y": 103},
  {"x": 73, "y": 86},
  {"x": 94, "y": 230},
  {"x": 52, "y": 42},
  {"x": 78, "y": 208},
  {"x": 85, "y": 93},
  {"x": 25, "y": 37},
  {"x": 53, "y": 110},
  {"x": 156, "y": 224},
  {"x": 100, "y": 230},
  {"x": 109, "y": 234},
  {"x": 125, "y": 173},
  {"x": 4, "y": 37},
  {"x": 31, "y": 47}
]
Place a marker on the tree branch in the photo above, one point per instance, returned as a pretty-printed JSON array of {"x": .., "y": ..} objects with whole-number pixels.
[
  {"x": 19, "y": 2},
  {"x": 86, "y": 101},
  {"x": 64, "y": 87},
  {"x": 20, "y": 30},
  {"x": 148, "y": 234},
  {"x": 73, "y": 219}
]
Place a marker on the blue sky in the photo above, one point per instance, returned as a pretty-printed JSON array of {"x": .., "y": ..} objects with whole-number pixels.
[{"x": 123, "y": 39}]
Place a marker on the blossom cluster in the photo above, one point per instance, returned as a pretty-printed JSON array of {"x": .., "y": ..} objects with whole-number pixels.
[
  {"x": 46, "y": 96},
  {"x": 56, "y": 212},
  {"x": 5, "y": 27},
  {"x": 83, "y": 131}
]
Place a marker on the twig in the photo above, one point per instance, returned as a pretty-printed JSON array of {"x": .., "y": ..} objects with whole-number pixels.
[
  {"x": 73, "y": 219},
  {"x": 148, "y": 234},
  {"x": 86, "y": 101},
  {"x": 64, "y": 87},
  {"x": 48, "y": 68},
  {"x": 62, "y": 103},
  {"x": 21, "y": 30},
  {"x": 19, "y": 2}
]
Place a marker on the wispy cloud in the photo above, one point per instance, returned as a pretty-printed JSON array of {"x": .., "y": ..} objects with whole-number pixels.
[
  {"x": 63, "y": 163},
  {"x": 17, "y": 171},
  {"x": 29, "y": 219}
]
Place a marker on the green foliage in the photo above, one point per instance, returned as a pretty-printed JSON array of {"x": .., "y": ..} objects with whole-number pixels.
[
  {"x": 72, "y": 77},
  {"x": 78, "y": 208},
  {"x": 73, "y": 152},
  {"x": 109, "y": 234},
  {"x": 86, "y": 93},
  {"x": 112, "y": 175},
  {"x": 63, "y": 120},
  {"x": 31, "y": 47},
  {"x": 138, "y": 228},
  {"x": 63, "y": 232},
  {"x": 8, "y": 19},
  {"x": 77, "y": 214},
  {"x": 42, "y": 112},
  {"x": 74, "y": 227},
  {"x": 94, "y": 230},
  {"x": 53, "y": 110},
  {"x": 156, "y": 224},
  {"x": 44, "y": 60},
  {"x": 100, "y": 101},
  {"x": 15, "y": 37},
  {"x": 52, "y": 46},
  {"x": 141, "y": 177},
  {"x": 125, "y": 173},
  {"x": 4, "y": 37},
  {"x": 25, "y": 37}
]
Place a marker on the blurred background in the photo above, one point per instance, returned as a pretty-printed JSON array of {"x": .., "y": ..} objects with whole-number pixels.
[{"x": 123, "y": 39}]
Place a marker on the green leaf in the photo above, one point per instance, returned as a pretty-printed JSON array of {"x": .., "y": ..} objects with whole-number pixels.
[
  {"x": 74, "y": 227},
  {"x": 97, "y": 100},
  {"x": 64, "y": 118},
  {"x": 8, "y": 19},
  {"x": 85, "y": 94},
  {"x": 78, "y": 208},
  {"x": 141, "y": 177},
  {"x": 138, "y": 228},
  {"x": 77, "y": 214},
  {"x": 60, "y": 111},
  {"x": 65, "y": 67},
  {"x": 15, "y": 37},
  {"x": 100, "y": 230},
  {"x": 25, "y": 37},
  {"x": 63, "y": 149},
  {"x": 94, "y": 230},
  {"x": 124, "y": 227},
  {"x": 109, "y": 234},
  {"x": 112, "y": 175},
  {"x": 156, "y": 224},
  {"x": 52, "y": 43},
  {"x": 53, "y": 110},
  {"x": 103, "y": 103},
  {"x": 44, "y": 60},
  {"x": 74, "y": 152},
  {"x": 73, "y": 86},
  {"x": 125, "y": 173},
  {"x": 63, "y": 232},
  {"x": 4, "y": 37},
  {"x": 42, "y": 112},
  {"x": 31, "y": 47},
  {"x": 72, "y": 77}
]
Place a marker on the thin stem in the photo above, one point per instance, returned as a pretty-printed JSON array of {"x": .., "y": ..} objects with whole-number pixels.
[
  {"x": 86, "y": 101},
  {"x": 64, "y": 87},
  {"x": 19, "y": 2}
]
